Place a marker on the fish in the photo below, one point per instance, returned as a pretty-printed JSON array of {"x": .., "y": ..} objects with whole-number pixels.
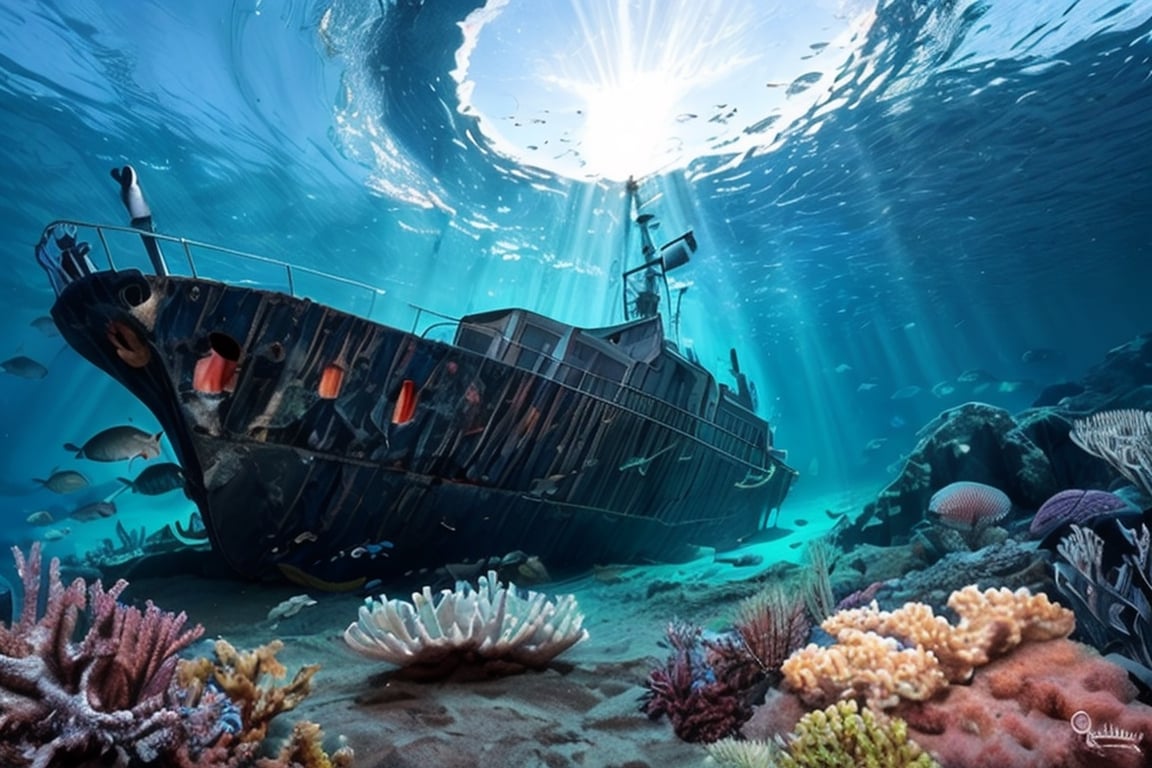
[
  {"x": 943, "y": 389},
  {"x": 156, "y": 479},
  {"x": 739, "y": 561},
  {"x": 843, "y": 368},
  {"x": 117, "y": 444},
  {"x": 975, "y": 376},
  {"x": 55, "y": 534},
  {"x": 63, "y": 481},
  {"x": 46, "y": 325},
  {"x": 39, "y": 517},
  {"x": 24, "y": 367},
  {"x": 874, "y": 444},
  {"x": 906, "y": 393},
  {"x": 97, "y": 510},
  {"x": 1041, "y": 356},
  {"x": 290, "y": 607}
]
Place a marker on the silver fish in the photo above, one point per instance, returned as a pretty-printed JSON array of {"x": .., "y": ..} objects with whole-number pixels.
[
  {"x": 39, "y": 517},
  {"x": 24, "y": 367},
  {"x": 63, "y": 481},
  {"x": 117, "y": 444}
]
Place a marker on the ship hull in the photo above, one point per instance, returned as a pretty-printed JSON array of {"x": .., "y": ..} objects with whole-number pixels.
[{"x": 319, "y": 444}]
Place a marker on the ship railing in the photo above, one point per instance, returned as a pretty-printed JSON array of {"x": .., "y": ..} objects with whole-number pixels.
[
  {"x": 619, "y": 393},
  {"x": 68, "y": 250}
]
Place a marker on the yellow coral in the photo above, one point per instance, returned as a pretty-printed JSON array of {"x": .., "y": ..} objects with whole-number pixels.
[
  {"x": 844, "y": 736},
  {"x": 305, "y": 748},
  {"x": 239, "y": 676}
]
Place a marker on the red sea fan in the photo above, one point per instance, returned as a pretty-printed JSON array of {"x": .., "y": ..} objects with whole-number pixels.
[
  {"x": 700, "y": 707},
  {"x": 968, "y": 505}
]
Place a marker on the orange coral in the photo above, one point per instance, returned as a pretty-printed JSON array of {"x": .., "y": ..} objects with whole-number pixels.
[
  {"x": 238, "y": 675},
  {"x": 991, "y": 623}
]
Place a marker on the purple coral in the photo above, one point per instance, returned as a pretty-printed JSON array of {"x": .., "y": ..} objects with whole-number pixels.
[
  {"x": 968, "y": 505},
  {"x": 1075, "y": 506}
]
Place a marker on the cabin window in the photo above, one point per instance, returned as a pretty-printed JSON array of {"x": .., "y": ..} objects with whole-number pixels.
[
  {"x": 578, "y": 360},
  {"x": 474, "y": 339},
  {"x": 536, "y": 344}
]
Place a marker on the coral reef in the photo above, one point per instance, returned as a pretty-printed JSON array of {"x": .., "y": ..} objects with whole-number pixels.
[
  {"x": 844, "y": 736},
  {"x": 1076, "y": 506},
  {"x": 965, "y": 504},
  {"x": 701, "y": 705},
  {"x": 1123, "y": 438},
  {"x": 910, "y": 653},
  {"x": 119, "y": 695},
  {"x": 1017, "y": 712},
  {"x": 491, "y": 626},
  {"x": 239, "y": 676},
  {"x": 971, "y": 442},
  {"x": 234, "y": 687},
  {"x": 1011, "y": 564},
  {"x": 771, "y": 626},
  {"x": 103, "y": 696},
  {"x": 707, "y": 686},
  {"x": 1105, "y": 571},
  {"x": 863, "y": 665},
  {"x": 738, "y": 753}
]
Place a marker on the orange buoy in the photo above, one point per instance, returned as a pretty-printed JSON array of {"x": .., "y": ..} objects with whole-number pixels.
[
  {"x": 405, "y": 403},
  {"x": 216, "y": 371},
  {"x": 331, "y": 379}
]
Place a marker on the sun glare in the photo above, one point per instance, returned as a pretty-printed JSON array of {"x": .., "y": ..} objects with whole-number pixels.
[
  {"x": 627, "y": 126},
  {"x": 619, "y": 88}
]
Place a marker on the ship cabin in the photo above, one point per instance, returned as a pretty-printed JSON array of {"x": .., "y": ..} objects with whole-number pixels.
[{"x": 631, "y": 365}]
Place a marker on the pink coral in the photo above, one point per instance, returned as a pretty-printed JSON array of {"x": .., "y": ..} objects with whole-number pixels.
[
  {"x": 63, "y": 701},
  {"x": 1018, "y": 709}
]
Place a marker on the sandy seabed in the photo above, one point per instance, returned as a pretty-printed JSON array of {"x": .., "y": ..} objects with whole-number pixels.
[{"x": 583, "y": 710}]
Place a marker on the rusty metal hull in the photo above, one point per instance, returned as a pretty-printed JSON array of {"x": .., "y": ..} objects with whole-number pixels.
[{"x": 341, "y": 448}]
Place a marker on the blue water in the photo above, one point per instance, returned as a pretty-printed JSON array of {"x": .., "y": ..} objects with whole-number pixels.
[{"x": 958, "y": 183}]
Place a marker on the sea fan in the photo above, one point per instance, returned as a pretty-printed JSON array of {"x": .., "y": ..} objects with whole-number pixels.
[{"x": 1075, "y": 506}]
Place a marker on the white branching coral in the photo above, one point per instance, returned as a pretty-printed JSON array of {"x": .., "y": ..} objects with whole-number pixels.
[{"x": 490, "y": 625}]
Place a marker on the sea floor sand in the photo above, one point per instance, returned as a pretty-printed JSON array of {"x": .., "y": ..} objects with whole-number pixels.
[{"x": 583, "y": 710}]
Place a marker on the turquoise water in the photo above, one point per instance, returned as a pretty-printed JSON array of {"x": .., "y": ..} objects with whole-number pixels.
[{"x": 886, "y": 197}]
